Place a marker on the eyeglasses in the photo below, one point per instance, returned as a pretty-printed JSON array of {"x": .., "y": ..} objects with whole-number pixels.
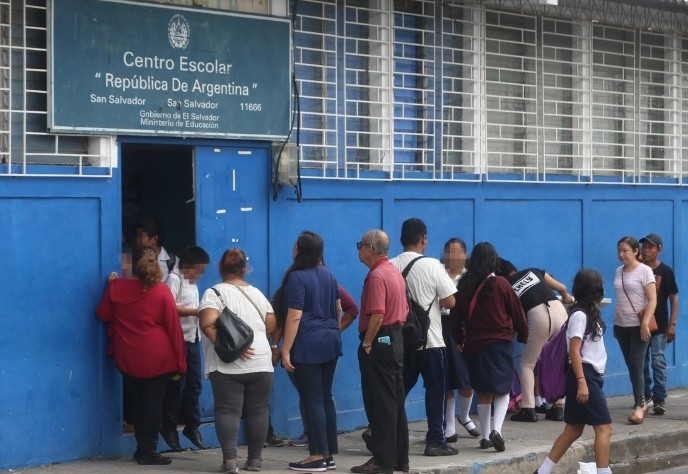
[{"x": 359, "y": 245}]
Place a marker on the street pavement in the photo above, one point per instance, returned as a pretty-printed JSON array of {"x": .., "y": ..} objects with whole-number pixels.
[{"x": 659, "y": 444}]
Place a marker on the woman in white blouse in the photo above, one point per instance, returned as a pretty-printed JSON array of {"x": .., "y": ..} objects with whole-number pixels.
[
  {"x": 243, "y": 386},
  {"x": 634, "y": 285}
]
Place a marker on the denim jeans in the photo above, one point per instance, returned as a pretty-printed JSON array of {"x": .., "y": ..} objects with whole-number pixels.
[
  {"x": 314, "y": 383},
  {"x": 634, "y": 351},
  {"x": 655, "y": 357}
]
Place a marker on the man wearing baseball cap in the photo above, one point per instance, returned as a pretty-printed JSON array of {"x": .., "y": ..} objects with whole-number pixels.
[{"x": 651, "y": 247}]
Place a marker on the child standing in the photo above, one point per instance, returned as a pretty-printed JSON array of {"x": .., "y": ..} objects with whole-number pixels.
[
  {"x": 585, "y": 401},
  {"x": 181, "y": 400}
]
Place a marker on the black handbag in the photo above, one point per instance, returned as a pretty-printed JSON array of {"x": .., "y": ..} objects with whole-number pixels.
[{"x": 234, "y": 336}]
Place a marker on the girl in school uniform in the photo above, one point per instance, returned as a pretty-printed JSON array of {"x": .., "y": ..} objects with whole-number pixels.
[{"x": 585, "y": 400}]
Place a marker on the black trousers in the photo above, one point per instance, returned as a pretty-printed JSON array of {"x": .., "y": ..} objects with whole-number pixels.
[
  {"x": 146, "y": 396},
  {"x": 382, "y": 383}
]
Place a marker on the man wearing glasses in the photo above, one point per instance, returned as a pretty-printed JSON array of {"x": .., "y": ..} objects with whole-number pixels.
[{"x": 381, "y": 357}]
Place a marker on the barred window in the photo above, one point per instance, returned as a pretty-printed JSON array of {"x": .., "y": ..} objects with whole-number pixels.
[
  {"x": 24, "y": 138},
  {"x": 488, "y": 94}
]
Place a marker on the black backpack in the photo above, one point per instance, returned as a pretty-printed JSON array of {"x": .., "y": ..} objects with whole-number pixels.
[{"x": 415, "y": 329}]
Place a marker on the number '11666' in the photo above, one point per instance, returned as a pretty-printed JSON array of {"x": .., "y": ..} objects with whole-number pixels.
[{"x": 251, "y": 106}]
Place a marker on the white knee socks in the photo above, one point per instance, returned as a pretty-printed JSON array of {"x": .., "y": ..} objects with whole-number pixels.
[
  {"x": 501, "y": 405},
  {"x": 450, "y": 418},
  {"x": 465, "y": 408},
  {"x": 484, "y": 415}
]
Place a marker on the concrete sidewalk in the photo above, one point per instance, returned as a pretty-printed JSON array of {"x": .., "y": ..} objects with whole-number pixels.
[{"x": 661, "y": 442}]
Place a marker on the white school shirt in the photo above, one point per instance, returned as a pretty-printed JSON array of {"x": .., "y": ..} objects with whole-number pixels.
[
  {"x": 592, "y": 351},
  {"x": 185, "y": 294},
  {"x": 455, "y": 280},
  {"x": 163, "y": 258},
  {"x": 428, "y": 282}
]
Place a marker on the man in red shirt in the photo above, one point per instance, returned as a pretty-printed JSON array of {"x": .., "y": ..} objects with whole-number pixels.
[{"x": 381, "y": 357}]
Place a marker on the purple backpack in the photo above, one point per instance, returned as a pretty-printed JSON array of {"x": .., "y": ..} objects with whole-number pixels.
[{"x": 553, "y": 364}]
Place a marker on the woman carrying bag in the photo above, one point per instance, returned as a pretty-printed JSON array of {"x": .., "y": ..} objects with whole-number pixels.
[
  {"x": 243, "y": 386},
  {"x": 634, "y": 287}
]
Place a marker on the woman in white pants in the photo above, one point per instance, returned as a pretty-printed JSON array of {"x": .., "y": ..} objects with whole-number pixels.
[{"x": 546, "y": 315}]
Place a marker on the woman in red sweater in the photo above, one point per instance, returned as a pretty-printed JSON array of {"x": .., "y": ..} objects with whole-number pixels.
[
  {"x": 148, "y": 346},
  {"x": 488, "y": 312}
]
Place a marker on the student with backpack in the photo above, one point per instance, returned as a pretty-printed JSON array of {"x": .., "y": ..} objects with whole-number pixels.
[
  {"x": 586, "y": 403},
  {"x": 429, "y": 289}
]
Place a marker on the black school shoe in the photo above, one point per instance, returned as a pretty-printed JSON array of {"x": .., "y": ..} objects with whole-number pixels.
[
  {"x": 439, "y": 449},
  {"x": 555, "y": 414},
  {"x": 544, "y": 408},
  {"x": 497, "y": 440},
  {"x": 151, "y": 459},
  {"x": 195, "y": 437},
  {"x": 525, "y": 414},
  {"x": 171, "y": 437},
  {"x": 486, "y": 444}
]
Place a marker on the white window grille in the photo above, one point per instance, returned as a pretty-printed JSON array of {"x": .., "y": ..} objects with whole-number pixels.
[
  {"x": 316, "y": 66},
  {"x": 413, "y": 54},
  {"x": 684, "y": 110},
  {"x": 519, "y": 95},
  {"x": 462, "y": 97},
  {"x": 565, "y": 98},
  {"x": 613, "y": 101},
  {"x": 368, "y": 85},
  {"x": 659, "y": 106},
  {"x": 26, "y": 146},
  {"x": 5, "y": 95},
  {"x": 511, "y": 83}
]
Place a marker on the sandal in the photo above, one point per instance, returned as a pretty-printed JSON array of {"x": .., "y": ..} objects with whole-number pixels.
[
  {"x": 474, "y": 431},
  {"x": 638, "y": 416}
]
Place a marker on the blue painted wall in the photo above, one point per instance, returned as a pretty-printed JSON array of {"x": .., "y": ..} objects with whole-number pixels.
[
  {"x": 56, "y": 386},
  {"x": 561, "y": 228},
  {"x": 61, "y": 238}
]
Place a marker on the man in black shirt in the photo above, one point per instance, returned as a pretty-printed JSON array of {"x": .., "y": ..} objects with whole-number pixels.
[{"x": 651, "y": 247}]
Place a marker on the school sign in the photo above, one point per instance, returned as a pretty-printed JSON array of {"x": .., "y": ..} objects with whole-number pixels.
[{"x": 120, "y": 67}]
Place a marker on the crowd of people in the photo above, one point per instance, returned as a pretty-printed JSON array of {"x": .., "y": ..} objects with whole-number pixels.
[{"x": 474, "y": 304}]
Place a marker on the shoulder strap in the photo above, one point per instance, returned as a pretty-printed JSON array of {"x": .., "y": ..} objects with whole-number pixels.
[
  {"x": 260, "y": 313},
  {"x": 624, "y": 290},
  {"x": 171, "y": 261},
  {"x": 474, "y": 300},
  {"x": 222, "y": 300},
  {"x": 410, "y": 264},
  {"x": 406, "y": 272}
]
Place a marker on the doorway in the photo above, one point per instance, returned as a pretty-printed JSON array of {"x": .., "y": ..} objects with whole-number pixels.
[
  {"x": 158, "y": 181},
  {"x": 212, "y": 196}
]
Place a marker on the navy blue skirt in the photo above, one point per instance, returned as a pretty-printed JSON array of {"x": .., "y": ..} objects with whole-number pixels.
[
  {"x": 457, "y": 369},
  {"x": 491, "y": 370},
  {"x": 595, "y": 410}
]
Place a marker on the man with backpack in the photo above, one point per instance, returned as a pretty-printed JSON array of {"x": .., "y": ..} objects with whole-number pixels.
[{"x": 430, "y": 289}]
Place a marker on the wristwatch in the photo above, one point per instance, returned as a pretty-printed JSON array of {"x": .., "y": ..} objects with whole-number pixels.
[{"x": 365, "y": 345}]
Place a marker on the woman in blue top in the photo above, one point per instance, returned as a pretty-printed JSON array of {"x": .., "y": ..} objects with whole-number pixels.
[{"x": 309, "y": 300}]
